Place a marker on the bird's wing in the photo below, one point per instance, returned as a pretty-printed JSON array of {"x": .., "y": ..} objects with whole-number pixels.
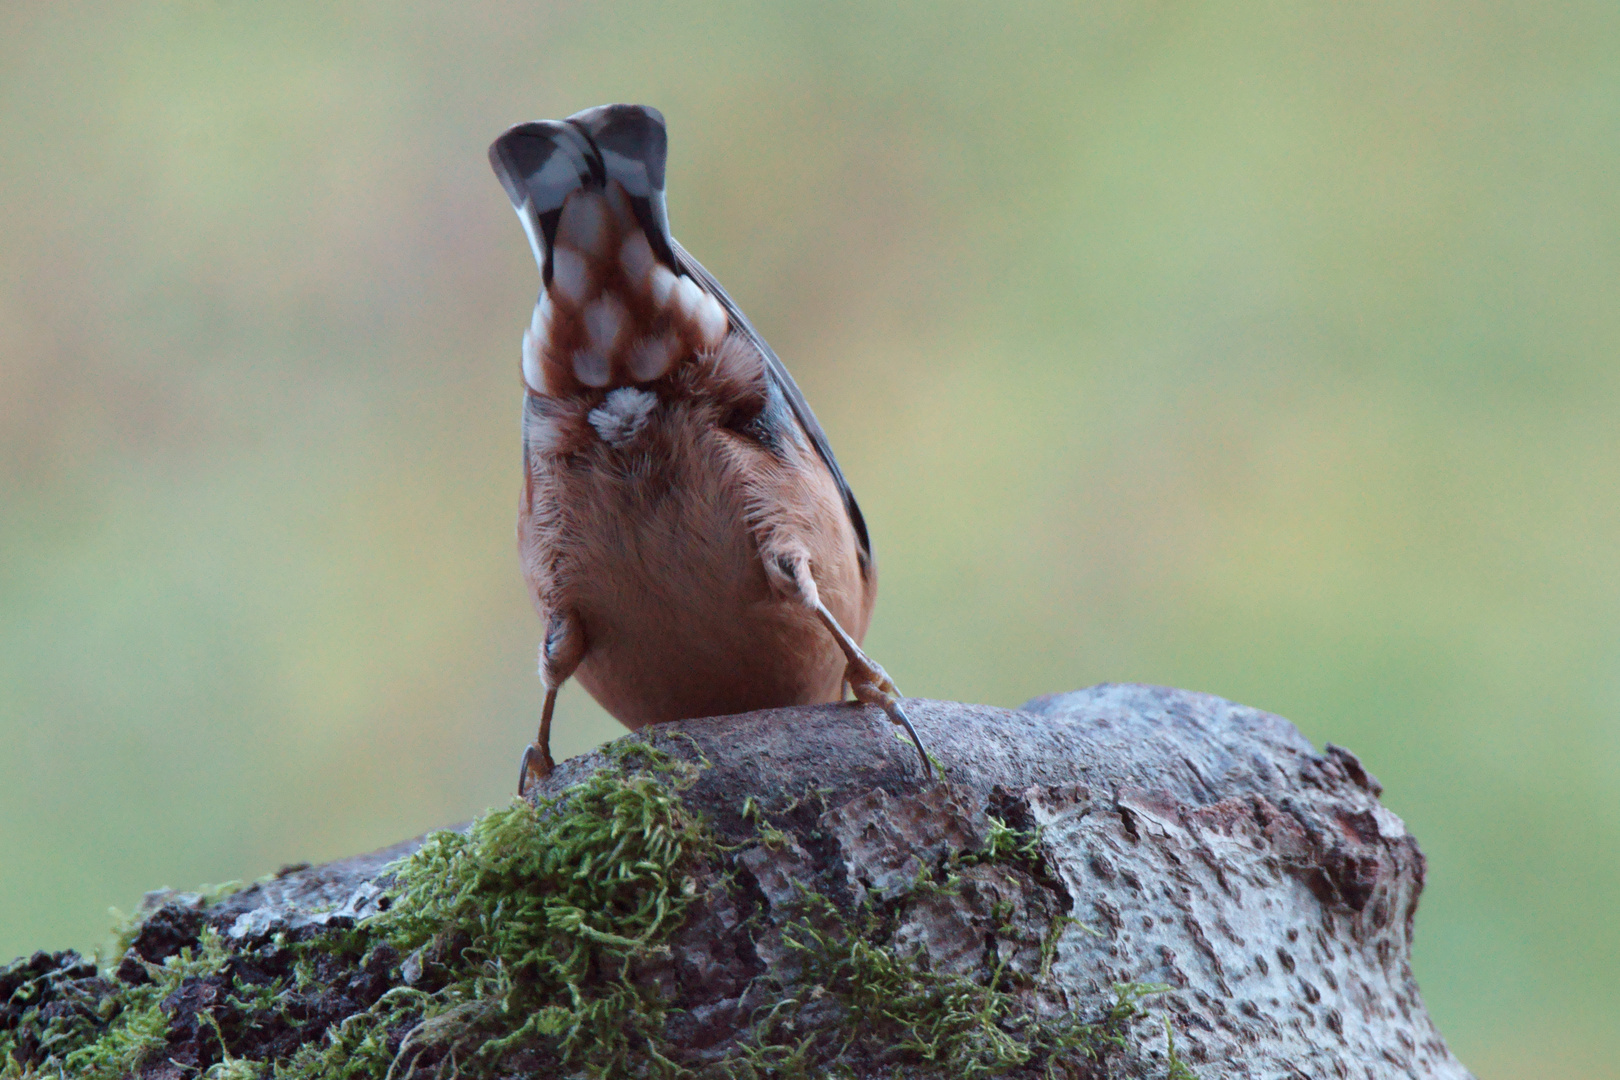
[{"x": 777, "y": 373}]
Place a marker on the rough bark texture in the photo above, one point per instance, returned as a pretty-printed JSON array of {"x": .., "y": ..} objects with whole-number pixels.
[{"x": 1183, "y": 840}]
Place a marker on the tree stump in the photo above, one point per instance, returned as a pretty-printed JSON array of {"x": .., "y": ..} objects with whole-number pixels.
[{"x": 1125, "y": 881}]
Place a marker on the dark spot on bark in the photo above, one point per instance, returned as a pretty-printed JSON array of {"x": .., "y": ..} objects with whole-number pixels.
[
  {"x": 167, "y": 931},
  {"x": 1353, "y": 769},
  {"x": 1108, "y": 914},
  {"x": 1320, "y": 884},
  {"x": 1128, "y": 821}
]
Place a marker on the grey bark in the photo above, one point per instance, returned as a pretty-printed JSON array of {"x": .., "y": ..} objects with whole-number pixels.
[{"x": 1197, "y": 843}]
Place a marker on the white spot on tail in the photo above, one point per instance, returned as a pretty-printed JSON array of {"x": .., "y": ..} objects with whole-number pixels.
[
  {"x": 540, "y": 321},
  {"x": 663, "y": 284},
  {"x": 603, "y": 321},
  {"x": 637, "y": 258},
  {"x": 591, "y": 368},
  {"x": 543, "y": 433},
  {"x": 651, "y": 357},
  {"x": 535, "y": 339},
  {"x": 687, "y": 297},
  {"x": 533, "y": 373},
  {"x": 711, "y": 321},
  {"x": 629, "y": 172},
  {"x": 525, "y": 215},
  {"x": 570, "y": 276},
  {"x": 582, "y": 225},
  {"x": 622, "y": 415}
]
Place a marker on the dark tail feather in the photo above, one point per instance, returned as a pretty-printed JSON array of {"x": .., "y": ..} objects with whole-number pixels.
[
  {"x": 542, "y": 162},
  {"x": 633, "y": 145}
]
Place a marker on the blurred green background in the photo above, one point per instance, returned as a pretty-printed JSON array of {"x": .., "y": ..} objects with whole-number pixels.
[{"x": 1267, "y": 350}]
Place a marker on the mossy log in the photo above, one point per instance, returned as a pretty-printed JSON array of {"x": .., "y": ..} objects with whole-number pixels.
[{"x": 1125, "y": 881}]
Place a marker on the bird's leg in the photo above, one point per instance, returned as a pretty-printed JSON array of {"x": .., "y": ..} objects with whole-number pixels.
[
  {"x": 788, "y": 569},
  {"x": 536, "y": 760},
  {"x": 560, "y": 654}
]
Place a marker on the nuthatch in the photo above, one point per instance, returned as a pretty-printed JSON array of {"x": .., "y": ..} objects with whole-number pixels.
[{"x": 688, "y": 539}]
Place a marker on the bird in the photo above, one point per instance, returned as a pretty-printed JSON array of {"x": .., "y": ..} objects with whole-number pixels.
[{"x": 687, "y": 537}]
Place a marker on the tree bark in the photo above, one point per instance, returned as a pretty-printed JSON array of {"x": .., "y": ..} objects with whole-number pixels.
[{"x": 1146, "y": 836}]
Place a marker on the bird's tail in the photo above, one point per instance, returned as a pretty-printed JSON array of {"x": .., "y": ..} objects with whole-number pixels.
[{"x": 616, "y": 306}]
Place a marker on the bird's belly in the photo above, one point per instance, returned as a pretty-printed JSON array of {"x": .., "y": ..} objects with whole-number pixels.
[
  {"x": 691, "y": 665},
  {"x": 679, "y": 618}
]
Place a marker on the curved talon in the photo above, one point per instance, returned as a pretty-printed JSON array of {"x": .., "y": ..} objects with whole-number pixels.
[
  {"x": 878, "y": 689},
  {"x": 536, "y": 763},
  {"x": 870, "y": 684},
  {"x": 898, "y": 716}
]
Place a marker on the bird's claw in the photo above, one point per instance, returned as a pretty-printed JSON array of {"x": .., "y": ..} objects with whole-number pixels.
[
  {"x": 537, "y": 764},
  {"x": 871, "y": 685}
]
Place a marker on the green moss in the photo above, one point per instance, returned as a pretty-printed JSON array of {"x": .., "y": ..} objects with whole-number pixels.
[
  {"x": 1005, "y": 844},
  {"x": 528, "y": 930},
  {"x": 768, "y": 834},
  {"x": 107, "y": 1037},
  {"x": 125, "y": 928},
  {"x": 1176, "y": 1069},
  {"x": 537, "y": 943},
  {"x": 859, "y": 1001}
]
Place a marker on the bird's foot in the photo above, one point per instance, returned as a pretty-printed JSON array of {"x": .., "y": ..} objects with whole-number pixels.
[
  {"x": 537, "y": 761},
  {"x": 536, "y": 766},
  {"x": 871, "y": 685}
]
